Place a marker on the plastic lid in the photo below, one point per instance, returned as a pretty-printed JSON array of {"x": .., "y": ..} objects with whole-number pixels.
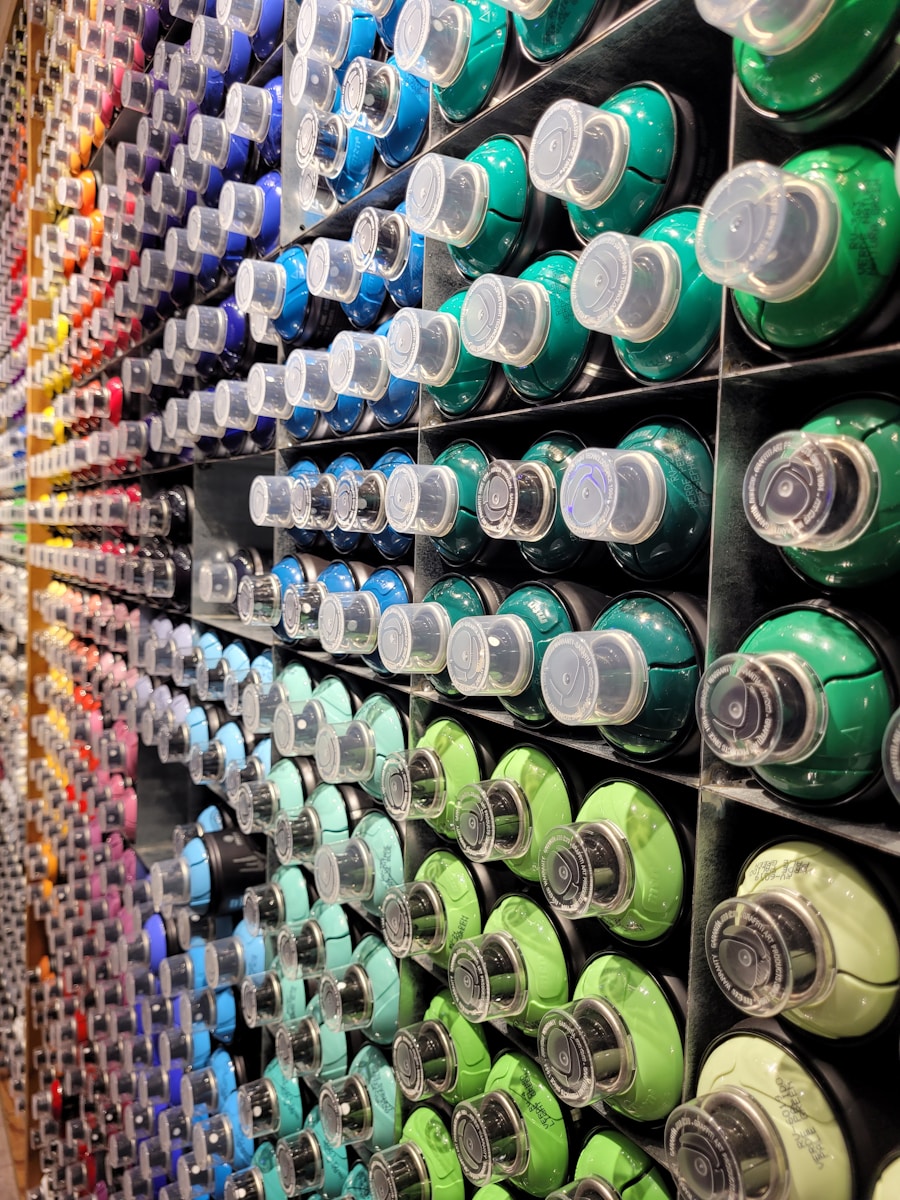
[
  {"x": 595, "y": 678},
  {"x": 724, "y": 1146},
  {"x": 447, "y": 199},
  {"x": 625, "y": 286},
  {"x": 818, "y": 491},
  {"x": 208, "y": 140},
  {"x": 516, "y": 500},
  {"x": 413, "y": 919},
  {"x": 313, "y": 502},
  {"x": 170, "y": 883},
  {"x": 241, "y": 15},
  {"x": 413, "y": 783},
  {"x": 259, "y": 600},
  {"x": 587, "y": 869},
  {"x": 579, "y": 153},
  {"x": 586, "y": 1052},
  {"x": 306, "y": 380},
  {"x": 265, "y": 391},
  {"x": 258, "y": 1109},
  {"x": 613, "y": 495},
  {"x": 412, "y": 638},
  {"x": 300, "y": 611},
  {"x": 432, "y": 39},
  {"x": 298, "y": 1047},
  {"x": 422, "y": 499},
  {"x": 357, "y": 364},
  {"x": 301, "y": 1166},
  {"x": 770, "y": 952},
  {"x": 490, "y": 1137},
  {"x": 241, "y": 208},
  {"x": 492, "y": 820},
  {"x": 206, "y": 328},
  {"x": 270, "y": 501},
  {"x": 491, "y": 656},
  {"x": 890, "y": 754},
  {"x": 345, "y": 871},
  {"x": 323, "y": 30},
  {"x": 504, "y": 319},
  {"x": 380, "y": 242},
  {"x": 346, "y": 753},
  {"x": 400, "y": 1173},
  {"x": 771, "y": 26},
  {"x": 767, "y": 232},
  {"x": 231, "y": 407},
  {"x": 359, "y": 501},
  {"x": 425, "y": 1060},
  {"x": 248, "y": 111},
  {"x": 761, "y": 708},
  {"x": 211, "y": 42},
  {"x": 488, "y": 977},
  {"x": 348, "y": 622},
  {"x": 346, "y": 998},
  {"x": 370, "y": 96},
  {"x": 312, "y": 84},
  {"x": 260, "y": 287},
  {"x": 423, "y": 346},
  {"x": 322, "y": 142},
  {"x": 331, "y": 271},
  {"x": 204, "y": 232},
  {"x": 346, "y": 1111}
]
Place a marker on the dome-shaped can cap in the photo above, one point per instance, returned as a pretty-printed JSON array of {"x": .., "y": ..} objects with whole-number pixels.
[
  {"x": 505, "y": 320},
  {"x": 306, "y": 380},
  {"x": 357, "y": 365},
  {"x": 595, "y": 678},
  {"x": 359, "y": 501},
  {"x": 516, "y": 500},
  {"x": 447, "y": 199},
  {"x": 613, "y": 495},
  {"x": 348, "y": 622},
  {"x": 241, "y": 15},
  {"x": 490, "y": 656},
  {"x": 346, "y": 753},
  {"x": 412, "y": 638},
  {"x": 265, "y": 391},
  {"x": 422, "y": 499},
  {"x": 578, "y": 153},
  {"x": 765, "y": 231},
  {"x": 380, "y": 242},
  {"x": 312, "y": 83},
  {"x": 331, "y": 271},
  {"x": 432, "y": 39},
  {"x": 248, "y": 111},
  {"x": 423, "y": 346},
  {"x": 322, "y": 142},
  {"x": 231, "y": 407},
  {"x": 260, "y": 287},
  {"x": 370, "y": 96},
  {"x": 323, "y": 30},
  {"x": 626, "y": 286},
  {"x": 241, "y": 208},
  {"x": 772, "y": 26},
  {"x": 805, "y": 489},
  {"x": 270, "y": 501}
]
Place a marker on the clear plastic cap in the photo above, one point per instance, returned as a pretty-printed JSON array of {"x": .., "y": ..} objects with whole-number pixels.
[
  {"x": 248, "y": 111},
  {"x": 488, "y": 977},
  {"x": 358, "y": 366},
  {"x": 231, "y": 406},
  {"x": 300, "y": 613},
  {"x": 206, "y": 328},
  {"x": 423, "y": 346},
  {"x": 331, "y": 271},
  {"x": 425, "y": 1060},
  {"x": 432, "y": 39},
  {"x": 587, "y": 870},
  {"x": 170, "y": 883},
  {"x": 346, "y": 1111},
  {"x": 516, "y": 500},
  {"x": 359, "y": 501},
  {"x": 504, "y": 319},
  {"x": 301, "y": 1166},
  {"x": 270, "y": 501},
  {"x": 380, "y": 242},
  {"x": 260, "y": 287},
  {"x": 201, "y": 415},
  {"x": 348, "y": 622},
  {"x": 725, "y": 1146},
  {"x": 761, "y": 708},
  {"x": 422, "y": 499},
  {"x": 412, "y": 638},
  {"x": 241, "y": 208},
  {"x": 414, "y": 784},
  {"x": 347, "y": 998},
  {"x": 578, "y": 153},
  {"x": 770, "y": 952},
  {"x": 345, "y": 871},
  {"x": 767, "y": 232},
  {"x": 211, "y": 42},
  {"x": 323, "y": 30},
  {"x": 613, "y": 495},
  {"x": 137, "y": 91},
  {"x": 370, "y": 96},
  {"x": 312, "y": 84},
  {"x": 447, "y": 199},
  {"x": 771, "y": 26},
  {"x": 627, "y": 287},
  {"x": 346, "y": 753},
  {"x": 813, "y": 490},
  {"x": 299, "y": 1048},
  {"x": 595, "y": 678},
  {"x": 490, "y": 656},
  {"x": 209, "y": 141},
  {"x": 586, "y": 1052},
  {"x": 306, "y": 382},
  {"x": 241, "y": 15},
  {"x": 265, "y": 391},
  {"x": 493, "y": 820},
  {"x": 313, "y": 502},
  {"x": 205, "y": 232},
  {"x": 322, "y": 143}
]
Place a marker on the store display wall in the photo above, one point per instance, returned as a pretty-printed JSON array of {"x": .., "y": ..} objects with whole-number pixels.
[{"x": 121, "y": 605}]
